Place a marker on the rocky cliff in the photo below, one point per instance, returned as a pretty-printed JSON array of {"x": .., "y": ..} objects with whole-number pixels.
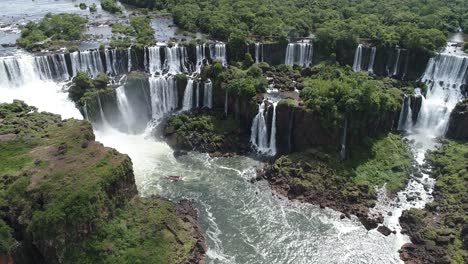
[{"x": 65, "y": 197}]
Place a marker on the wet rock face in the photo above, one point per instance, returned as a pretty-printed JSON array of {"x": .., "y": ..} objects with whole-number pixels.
[{"x": 458, "y": 124}]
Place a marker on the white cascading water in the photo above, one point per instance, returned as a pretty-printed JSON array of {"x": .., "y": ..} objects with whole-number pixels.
[
  {"x": 357, "y": 58},
  {"x": 129, "y": 59},
  {"x": 163, "y": 93},
  {"x": 201, "y": 57},
  {"x": 397, "y": 63},
  {"x": 111, "y": 61},
  {"x": 188, "y": 96},
  {"x": 370, "y": 68},
  {"x": 208, "y": 94},
  {"x": 218, "y": 53},
  {"x": 258, "y": 52},
  {"x": 21, "y": 77},
  {"x": 197, "y": 103},
  {"x": 259, "y": 131},
  {"x": 299, "y": 53},
  {"x": 343, "y": 140},
  {"x": 226, "y": 101},
  {"x": 444, "y": 75},
  {"x": 175, "y": 60},
  {"x": 86, "y": 61},
  {"x": 153, "y": 60},
  {"x": 405, "y": 122},
  {"x": 125, "y": 109}
]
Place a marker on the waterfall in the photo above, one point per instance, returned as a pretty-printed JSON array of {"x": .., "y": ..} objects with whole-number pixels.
[
  {"x": 197, "y": 103},
  {"x": 19, "y": 70},
  {"x": 405, "y": 122},
  {"x": 129, "y": 59},
  {"x": 104, "y": 121},
  {"x": 343, "y": 140},
  {"x": 153, "y": 60},
  {"x": 258, "y": 52},
  {"x": 299, "y": 53},
  {"x": 163, "y": 92},
  {"x": 357, "y": 58},
  {"x": 111, "y": 61},
  {"x": 201, "y": 57},
  {"x": 176, "y": 59},
  {"x": 218, "y": 53},
  {"x": 86, "y": 61},
  {"x": 273, "y": 132},
  {"x": 85, "y": 112},
  {"x": 188, "y": 96},
  {"x": 208, "y": 94},
  {"x": 370, "y": 68},
  {"x": 226, "y": 103},
  {"x": 125, "y": 109},
  {"x": 397, "y": 62},
  {"x": 259, "y": 131},
  {"x": 444, "y": 75}
]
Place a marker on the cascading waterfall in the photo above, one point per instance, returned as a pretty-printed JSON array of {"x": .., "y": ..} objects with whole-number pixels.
[
  {"x": 163, "y": 92},
  {"x": 299, "y": 53},
  {"x": 129, "y": 59},
  {"x": 357, "y": 58},
  {"x": 218, "y": 53},
  {"x": 176, "y": 59},
  {"x": 444, "y": 75},
  {"x": 86, "y": 61},
  {"x": 370, "y": 68},
  {"x": 111, "y": 61},
  {"x": 188, "y": 96},
  {"x": 259, "y": 131},
  {"x": 208, "y": 94},
  {"x": 153, "y": 60},
  {"x": 397, "y": 63},
  {"x": 343, "y": 140},
  {"x": 272, "y": 151},
  {"x": 125, "y": 109},
  {"x": 104, "y": 121},
  {"x": 197, "y": 103},
  {"x": 258, "y": 52},
  {"x": 405, "y": 122},
  {"x": 201, "y": 56},
  {"x": 226, "y": 100},
  {"x": 16, "y": 71}
]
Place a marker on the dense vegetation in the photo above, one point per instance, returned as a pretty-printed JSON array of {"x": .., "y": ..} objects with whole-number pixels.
[
  {"x": 337, "y": 94},
  {"x": 83, "y": 83},
  {"x": 244, "y": 81},
  {"x": 205, "y": 133},
  {"x": 51, "y": 29},
  {"x": 139, "y": 28},
  {"x": 111, "y": 6},
  {"x": 318, "y": 176},
  {"x": 412, "y": 24},
  {"x": 69, "y": 198},
  {"x": 442, "y": 226}
]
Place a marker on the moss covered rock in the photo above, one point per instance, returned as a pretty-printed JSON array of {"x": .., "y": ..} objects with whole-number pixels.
[{"x": 65, "y": 197}]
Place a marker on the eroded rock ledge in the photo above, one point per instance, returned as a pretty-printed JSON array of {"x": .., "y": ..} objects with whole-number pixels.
[{"x": 64, "y": 197}]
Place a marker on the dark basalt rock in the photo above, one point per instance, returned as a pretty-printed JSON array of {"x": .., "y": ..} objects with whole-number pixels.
[
  {"x": 384, "y": 230},
  {"x": 458, "y": 123}
]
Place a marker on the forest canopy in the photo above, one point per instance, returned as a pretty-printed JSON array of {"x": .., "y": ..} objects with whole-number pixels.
[{"x": 420, "y": 24}]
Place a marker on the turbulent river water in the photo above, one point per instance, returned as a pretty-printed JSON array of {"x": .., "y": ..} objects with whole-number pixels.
[{"x": 243, "y": 222}]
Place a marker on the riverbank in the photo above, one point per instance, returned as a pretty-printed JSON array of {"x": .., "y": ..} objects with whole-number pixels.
[
  {"x": 439, "y": 233},
  {"x": 319, "y": 177},
  {"x": 64, "y": 196}
]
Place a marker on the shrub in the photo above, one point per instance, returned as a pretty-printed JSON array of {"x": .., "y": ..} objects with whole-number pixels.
[
  {"x": 93, "y": 8},
  {"x": 83, "y": 6},
  {"x": 111, "y": 6}
]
